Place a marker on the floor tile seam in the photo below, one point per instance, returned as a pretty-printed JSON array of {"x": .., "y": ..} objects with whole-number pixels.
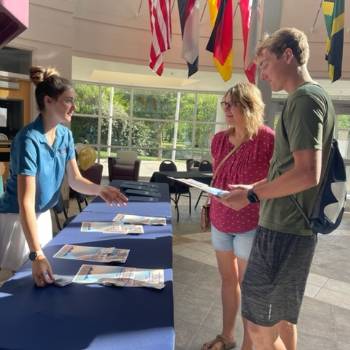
[
  {"x": 202, "y": 252},
  {"x": 195, "y": 247},
  {"x": 319, "y": 287},
  {"x": 343, "y": 295},
  {"x": 330, "y": 289},
  {"x": 200, "y": 326},
  {"x": 334, "y": 326}
]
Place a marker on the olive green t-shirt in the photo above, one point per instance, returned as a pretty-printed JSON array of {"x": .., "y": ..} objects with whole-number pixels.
[{"x": 307, "y": 122}]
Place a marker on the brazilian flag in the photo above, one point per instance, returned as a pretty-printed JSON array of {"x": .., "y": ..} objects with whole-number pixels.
[{"x": 333, "y": 11}]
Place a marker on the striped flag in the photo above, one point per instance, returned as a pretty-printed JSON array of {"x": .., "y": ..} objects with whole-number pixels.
[
  {"x": 220, "y": 42},
  {"x": 160, "y": 16},
  {"x": 189, "y": 19},
  {"x": 333, "y": 11},
  {"x": 251, "y": 13}
]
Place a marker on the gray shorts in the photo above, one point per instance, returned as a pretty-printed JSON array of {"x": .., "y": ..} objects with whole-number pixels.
[{"x": 275, "y": 279}]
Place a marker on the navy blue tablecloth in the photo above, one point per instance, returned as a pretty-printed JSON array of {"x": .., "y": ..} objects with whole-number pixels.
[{"x": 93, "y": 316}]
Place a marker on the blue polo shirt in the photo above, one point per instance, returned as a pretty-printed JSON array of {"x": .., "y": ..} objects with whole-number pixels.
[{"x": 31, "y": 155}]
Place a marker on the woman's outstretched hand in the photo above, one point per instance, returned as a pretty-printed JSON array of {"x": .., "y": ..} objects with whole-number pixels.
[
  {"x": 42, "y": 272},
  {"x": 113, "y": 196}
]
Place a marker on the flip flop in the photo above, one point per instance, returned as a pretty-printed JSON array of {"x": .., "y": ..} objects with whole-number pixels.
[{"x": 225, "y": 345}]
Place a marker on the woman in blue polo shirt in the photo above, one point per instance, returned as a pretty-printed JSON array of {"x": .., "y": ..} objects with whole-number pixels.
[{"x": 41, "y": 153}]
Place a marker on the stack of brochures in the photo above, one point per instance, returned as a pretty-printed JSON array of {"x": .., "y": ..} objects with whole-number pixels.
[
  {"x": 110, "y": 227},
  {"x": 96, "y": 254},
  {"x": 139, "y": 219},
  {"x": 120, "y": 276}
]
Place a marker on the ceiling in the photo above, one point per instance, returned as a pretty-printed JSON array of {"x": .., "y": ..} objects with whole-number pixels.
[{"x": 124, "y": 24}]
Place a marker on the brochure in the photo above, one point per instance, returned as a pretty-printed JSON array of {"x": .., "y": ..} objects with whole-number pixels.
[
  {"x": 120, "y": 276},
  {"x": 204, "y": 187},
  {"x": 110, "y": 227},
  {"x": 97, "y": 254},
  {"x": 62, "y": 280},
  {"x": 139, "y": 219}
]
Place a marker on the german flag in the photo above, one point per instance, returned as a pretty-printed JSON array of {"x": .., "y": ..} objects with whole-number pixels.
[
  {"x": 220, "y": 42},
  {"x": 333, "y": 11}
]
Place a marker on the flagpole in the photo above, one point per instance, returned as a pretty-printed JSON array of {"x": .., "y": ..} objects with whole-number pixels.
[
  {"x": 234, "y": 13},
  {"x": 316, "y": 18},
  {"x": 205, "y": 6},
  {"x": 138, "y": 12}
]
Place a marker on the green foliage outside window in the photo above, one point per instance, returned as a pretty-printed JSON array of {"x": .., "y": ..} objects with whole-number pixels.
[{"x": 150, "y": 137}]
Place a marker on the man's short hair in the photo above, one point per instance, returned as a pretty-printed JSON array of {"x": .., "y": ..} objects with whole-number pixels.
[{"x": 285, "y": 38}]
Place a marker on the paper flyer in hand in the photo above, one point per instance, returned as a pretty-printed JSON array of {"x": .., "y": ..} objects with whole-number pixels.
[
  {"x": 139, "y": 219},
  {"x": 97, "y": 254},
  {"x": 204, "y": 187},
  {"x": 110, "y": 227},
  {"x": 120, "y": 276}
]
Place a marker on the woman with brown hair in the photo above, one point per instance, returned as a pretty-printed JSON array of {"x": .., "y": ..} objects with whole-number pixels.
[
  {"x": 41, "y": 153},
  {"x": 241, "y": 154}
]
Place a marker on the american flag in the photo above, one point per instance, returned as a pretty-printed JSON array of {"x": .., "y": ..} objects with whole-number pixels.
[{"x": 160, "y": 16}]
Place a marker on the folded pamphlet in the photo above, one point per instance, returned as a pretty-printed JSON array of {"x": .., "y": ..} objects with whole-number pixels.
[
  {"x": 96, "y": 254},
  {"x": 139, "y": 219},
  {"x": 120, "y": 276},
  {"x": 110, "y": 227},
  {"x": 217, "y": 192},
  {"x": 62, "y": 280}
]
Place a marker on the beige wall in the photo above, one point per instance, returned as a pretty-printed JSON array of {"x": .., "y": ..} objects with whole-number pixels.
[
  {"x": 113, "y": 31},
  {"x": 49, "y": 36}
]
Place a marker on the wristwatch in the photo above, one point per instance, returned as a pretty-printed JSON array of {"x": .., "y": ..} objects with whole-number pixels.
[
  {"x": 252, "y": 196},
  {"x": 33, "y": 255}
]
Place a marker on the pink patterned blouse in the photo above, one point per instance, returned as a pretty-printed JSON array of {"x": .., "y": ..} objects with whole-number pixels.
[{"x": 248, "y": 164}]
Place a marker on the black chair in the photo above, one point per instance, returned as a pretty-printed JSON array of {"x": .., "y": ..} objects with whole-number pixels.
[
  {"x": 192, "y": 164},
  {"x": 167, "y": 165},
  {"x": 204, "y": 166},
  {"x": 59, "y": 209},
  {"x": 176, "y": 188},
  {"x": 118, "y": 170},
  {"x": 94, "y": 174}
]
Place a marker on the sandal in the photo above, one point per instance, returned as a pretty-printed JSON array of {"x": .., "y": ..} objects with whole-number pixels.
[{"x": 225, "y": 345}]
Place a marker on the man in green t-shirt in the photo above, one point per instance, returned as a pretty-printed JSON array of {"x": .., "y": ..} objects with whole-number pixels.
[{"x": 282, "y": 253}]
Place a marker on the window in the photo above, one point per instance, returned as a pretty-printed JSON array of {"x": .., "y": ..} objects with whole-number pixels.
[{"x": 113, "y": 118}]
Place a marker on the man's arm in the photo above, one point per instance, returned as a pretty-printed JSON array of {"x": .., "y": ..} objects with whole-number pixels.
[{"x": 305, "y": 174}]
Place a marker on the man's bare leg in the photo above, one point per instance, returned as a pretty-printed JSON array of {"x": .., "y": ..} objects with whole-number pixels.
[
  {"x": 265, "y": 338},
  {"x": 288, "y": 334}
]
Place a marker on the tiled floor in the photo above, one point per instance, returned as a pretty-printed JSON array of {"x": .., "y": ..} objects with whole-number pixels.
[
  {"x": 325, "y": 316},
  {"x": 324, "y": 322}
]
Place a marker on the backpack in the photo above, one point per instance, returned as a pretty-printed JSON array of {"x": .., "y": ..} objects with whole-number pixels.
[{"x": 329, "y": 205}]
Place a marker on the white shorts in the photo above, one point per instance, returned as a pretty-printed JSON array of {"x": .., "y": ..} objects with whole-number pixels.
[{"x": 14, "y": 249}]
